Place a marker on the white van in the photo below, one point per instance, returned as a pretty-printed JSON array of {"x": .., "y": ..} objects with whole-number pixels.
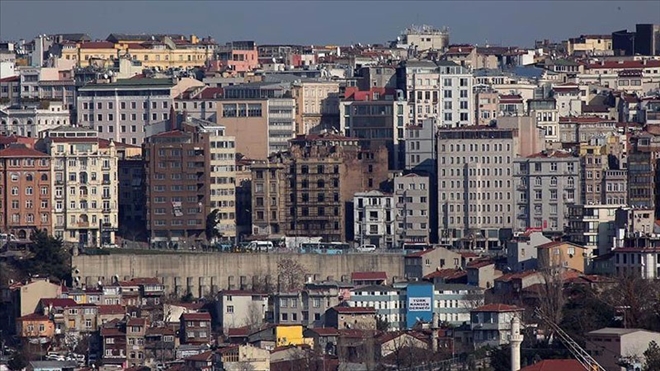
[
  {"x": 260, "y": 246},
  {"x": 367, "y": 248}
]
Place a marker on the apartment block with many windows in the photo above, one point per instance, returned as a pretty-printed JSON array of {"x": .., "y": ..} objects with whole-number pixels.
[
  {"x": 85, "y": 196},
  {"x": 475, "y": 184},
  {"x": 25, "y": 191}
]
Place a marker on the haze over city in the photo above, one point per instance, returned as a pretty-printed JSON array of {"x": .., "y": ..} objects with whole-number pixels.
[{"x": 327, "y": 22}]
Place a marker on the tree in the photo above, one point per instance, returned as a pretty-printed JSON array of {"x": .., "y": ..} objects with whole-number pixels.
[
  {"x": 211, "y": 231},
  {"x": 255, "y": 316},
  {"x": 583, "y": 312},
  {"x": 291, "y": 275},
  {"x": 382, "y": 324},
  {"x": 48, "y": 258},
  {"x": 552, "y": 298},
  {"x": 652, "y": 357},
  {"x": 17, "y": 362},
  {"x": 637, "y": 311}
]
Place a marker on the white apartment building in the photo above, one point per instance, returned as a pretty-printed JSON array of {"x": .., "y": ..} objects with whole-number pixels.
[
  {"x": 441, "y": 90},
  {"x": 374, "y": 219},
  {"x": 593, "y": 226},
  {"x": 281, "y": 123},
  {"x": 547, "y": 117},
  {"x": 121, "y": 110},
  {"x": 238, "y": 308},
  {"x": 644, "y": 261},
  {"x": 33, "y": 120},
  {"x": 475, "y": 185},
  {"x": 222, "y": 172},
  {"x": 85, "y": 196}
]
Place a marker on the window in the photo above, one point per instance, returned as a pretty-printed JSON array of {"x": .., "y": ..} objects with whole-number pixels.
[{"x": 230, "y": 309}]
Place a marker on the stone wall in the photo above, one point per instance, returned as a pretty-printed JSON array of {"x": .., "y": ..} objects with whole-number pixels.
[{"x": 203, "y": 273}]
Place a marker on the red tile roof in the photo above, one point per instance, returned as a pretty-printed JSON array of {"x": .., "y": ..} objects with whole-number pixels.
[
  {"x": 549, "y": 245},
  {"x": 447, "y": 274},
  {"x": 325, "y": 331},
  {"x": 33, "y": 317},
  {"x": 19, "y": 150},
  {"x": 10, "y": 79},
  {"x": 137, "y": 322},
  {"x": 362, "y": 276},
  {"x": 201, "y": 357},
  {"x": 368, "y": 310},
  {"x": 624, "y": 64},
  {"x": 146, "y": 281},
  {"x": 58, "y": 303},
  {"x": 512, "y": 276},
  {"x": 480, "y": 263},
  {"x": 112, "y": 331},
  {"x": 111, "y": 309},
  {"x": 497, "y": 308},
  {"x": 555, "y": 365},
  {"x": 196, "y": 317},
  {"x": 238, "y": 332}
]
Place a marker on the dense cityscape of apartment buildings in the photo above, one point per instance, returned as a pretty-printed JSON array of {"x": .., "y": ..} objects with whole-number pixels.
[{"x": 440, "y": 153}]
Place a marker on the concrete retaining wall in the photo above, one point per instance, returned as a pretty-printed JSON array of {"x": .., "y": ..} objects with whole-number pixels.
[{"x": 202, "y": 273}]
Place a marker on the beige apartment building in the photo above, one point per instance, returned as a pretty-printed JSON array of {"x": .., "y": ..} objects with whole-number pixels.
[
  {"x": 158, "y": 51},
  {"x": 317, "y": 105},
  {"x": 85, "y": 196}
]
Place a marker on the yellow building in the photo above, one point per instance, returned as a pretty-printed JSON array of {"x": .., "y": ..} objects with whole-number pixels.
[
  {"x": 560, "y": 254},
  {"x": 153, "y": 51},
  {"x": 85, "y": 197},
  {"x": 286, "y": 335},
  {"x": 590, "y": 44}
]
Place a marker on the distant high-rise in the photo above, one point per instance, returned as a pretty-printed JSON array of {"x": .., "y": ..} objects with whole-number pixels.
[{"x": 647, "y": 39}]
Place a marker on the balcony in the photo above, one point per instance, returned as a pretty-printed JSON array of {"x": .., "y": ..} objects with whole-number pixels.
[
  {"x": 106, "y": 197},
  {"x": 521, "y": 187},
  {"x": 83, "y": 224},
  {"x": 522, "y": 216}
]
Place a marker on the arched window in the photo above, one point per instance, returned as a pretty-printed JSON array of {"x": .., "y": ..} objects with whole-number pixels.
[
  {"x": 320, "y": 183},
  {"x": 553, "y": 181},
  {"x": 44, "y": 177},
  {"x": 29, "y": 177}
]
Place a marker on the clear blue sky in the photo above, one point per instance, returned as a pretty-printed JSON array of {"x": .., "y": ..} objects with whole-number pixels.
[{"x": 325, "y": 22}]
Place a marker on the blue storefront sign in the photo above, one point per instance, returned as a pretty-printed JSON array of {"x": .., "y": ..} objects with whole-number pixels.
[{"x": 419, "y": 305}]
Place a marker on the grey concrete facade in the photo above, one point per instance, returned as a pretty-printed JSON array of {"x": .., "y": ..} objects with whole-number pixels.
[
  {"x": 546, "y": 184},
  {"x": 475, "y": 193},
  {"x": 201, "y": 273},
  {"x": 413, "y": 208}
]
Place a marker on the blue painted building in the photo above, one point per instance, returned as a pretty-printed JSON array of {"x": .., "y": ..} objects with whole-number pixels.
[{"x": 419, "y": 303}]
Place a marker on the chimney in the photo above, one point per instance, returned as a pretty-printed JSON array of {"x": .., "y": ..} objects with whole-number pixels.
[{"x": 516, "y": 341}]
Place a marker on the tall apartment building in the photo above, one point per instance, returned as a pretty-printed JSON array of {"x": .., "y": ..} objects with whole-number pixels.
[
  {"x": 120, "y": 110},
  {"x": 85, "y": 196},
  {"x": 547, "y": 183},
  {"x": 25, "y": 191},
  {"x": 413, "y": 210},
  {"x": 190, "y": 171},
  {"x": 441, "y": 90},
  {"x": 132, "y": 212},
  {"x": 377, "y": 116},
  {"x": 373, "y": 212},
  {"x": 475, "y": 185},
  {"x": 643, "y": 168},
  {"x": 308, "y": 191},
  {"x": 603, "y": 180},
  {"x": 317, "y": 103}
]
